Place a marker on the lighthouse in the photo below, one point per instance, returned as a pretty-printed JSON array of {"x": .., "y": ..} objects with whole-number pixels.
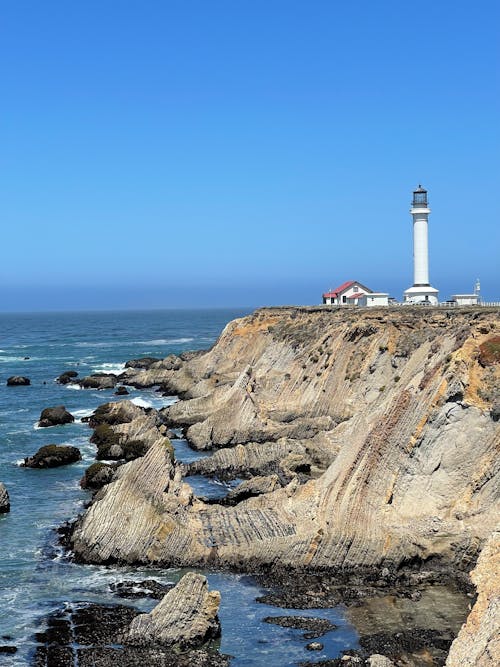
[{"x": 421, "y": 290}]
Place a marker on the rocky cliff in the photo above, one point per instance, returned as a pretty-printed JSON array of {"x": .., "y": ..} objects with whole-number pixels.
[{"x": 381, "y": 425}]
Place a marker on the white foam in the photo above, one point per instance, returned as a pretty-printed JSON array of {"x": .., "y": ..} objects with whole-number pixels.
[
  {"x": 76, "y": 387},
  {"x": 165, "y": 341},
  {"x": 109, "y": 368},
  {"x": 141, "y": 402}
]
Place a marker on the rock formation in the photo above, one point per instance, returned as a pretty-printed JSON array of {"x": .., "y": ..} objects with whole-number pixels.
[
  {"x": 67, "y": 377},
  {"x": 478, "y": 643},
  {"x": 185, "y": 618},
  {"x": 18, "y": 381},
  {"x": 98, "y": 381},
  {"x": 396, "y": 403},
  {"x": 53, "y": 456},
  {"x": 55, "y": 416},
  {"x": 4, "y": 499}
]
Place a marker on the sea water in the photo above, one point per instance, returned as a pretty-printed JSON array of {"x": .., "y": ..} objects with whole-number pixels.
[{"x": 36, "y": 577}]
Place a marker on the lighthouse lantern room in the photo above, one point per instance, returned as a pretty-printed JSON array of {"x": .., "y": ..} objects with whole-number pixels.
[{"x": 421, "y": 290}]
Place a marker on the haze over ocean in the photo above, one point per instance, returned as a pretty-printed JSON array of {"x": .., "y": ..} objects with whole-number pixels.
[{"x": 193, "y": 154}]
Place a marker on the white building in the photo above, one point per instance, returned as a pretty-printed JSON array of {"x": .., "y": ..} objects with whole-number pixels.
[
  {"x": 421, "y": 290},
  {"x": 465, "y": 299},
  {"x": 374, "y": 299},
  {"x": 346, "y": 294}
]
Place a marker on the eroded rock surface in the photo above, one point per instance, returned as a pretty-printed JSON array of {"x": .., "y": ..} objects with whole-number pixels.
[{"x": 185, "y": 618}]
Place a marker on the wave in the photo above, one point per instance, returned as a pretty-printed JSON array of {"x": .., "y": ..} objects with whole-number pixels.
[
  {"x": 109, "y": 368},
  {"x": 75, "y": 387},
  {"x": 164, "y": 341},
  {"x": 141, "y": 402}
]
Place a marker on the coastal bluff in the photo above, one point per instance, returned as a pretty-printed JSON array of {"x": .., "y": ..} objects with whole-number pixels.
[{"x": 381, "y": 425}]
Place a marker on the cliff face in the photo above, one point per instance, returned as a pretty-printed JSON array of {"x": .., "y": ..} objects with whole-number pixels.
[{"x": 390, "y": 413}]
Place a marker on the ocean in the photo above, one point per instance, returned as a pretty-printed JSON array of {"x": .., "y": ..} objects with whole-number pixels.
[{"x": 36, "y": 576}]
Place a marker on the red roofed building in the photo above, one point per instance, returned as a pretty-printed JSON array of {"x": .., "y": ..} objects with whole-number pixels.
[{"x": 346, "y": 294}]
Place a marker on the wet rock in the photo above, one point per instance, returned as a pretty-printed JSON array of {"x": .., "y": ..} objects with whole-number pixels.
[
  {"x": 99, "y": 381},
  {"x": 315, "y": 627},
  {"x": 18, "y": 381},
  {"x": 314, "y": 646},
  {"x": 67, "y": 377},
  {"x": 121, "y": 391},
  {"x": 143, "y": 362},
  {"x": 149, "y": 588},
  {"x": 8, "y": 649},
  {"x": 97, "y": 475},
  {"x": 53, "y": 456},
  {"x": 185, "y": 618},
  {"x": 55, "y": 416},
  {"x": 4, "y": 499},
  {"x": 110, "y": 446}
]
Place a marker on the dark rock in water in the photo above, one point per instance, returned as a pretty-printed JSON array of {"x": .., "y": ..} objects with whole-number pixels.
[
  {"x": 8, "y": 649},
  {"x": 121, "y": 391},
  {"x": 52, "y": 456},
  {"x": 314, "y": 646},
  {"x": 99, "y": 381},
  {"x": 98, "y": 475},
  {"x": 4, "y": 499},
  {"x": 140, "y": 589},
  {"x": 315, "y": 627},
  {"x": 407, "y": 641},
  {"x": 91, "y": 635},
  {"x": 143, "y": 362},
  {"x": 25, "y": 358},
  {"x": 110, "y": 446},
  {"x": 67, "y": 377},
  {"x": 119, "y": 412},
  {"x": 18, "y": 381},
  {"x": 55, "y": 416}
]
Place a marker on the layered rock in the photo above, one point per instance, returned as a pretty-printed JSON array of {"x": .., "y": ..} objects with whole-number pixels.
[
  {"x": 185, "y": 618},
  {"x": 478, "y": 643},
  {"x": 4, "y": 499},
  {"x": 402, "y": 408}
]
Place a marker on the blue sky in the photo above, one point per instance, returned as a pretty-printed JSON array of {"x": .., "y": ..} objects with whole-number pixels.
[{"x": 243, "y": 152}]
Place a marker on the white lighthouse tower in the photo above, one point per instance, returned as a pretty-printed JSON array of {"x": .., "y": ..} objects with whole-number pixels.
[{"x": 421, "y": 291}]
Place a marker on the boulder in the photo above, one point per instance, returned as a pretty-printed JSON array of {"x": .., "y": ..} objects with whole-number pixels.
[
  {"x": 4, "y": 499},
  {"x": 52, "y": 456},
  {"x": 185, "y": 618},
  {"x": 378, "y": 660},
  {"x": 121, "y": 391},
  {"x": 255, "y": 486},
  {"x": 97, "y": 475},
  {"x": 99, "y": 381},
  {"x": 55, "y": 416},
  {"x": 143, "y": 362},
  {"x": 66, "y": 377},
  {"x": 18, "y": 381}
]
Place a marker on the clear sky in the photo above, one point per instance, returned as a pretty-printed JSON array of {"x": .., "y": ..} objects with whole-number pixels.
[{"x": 159, "y": 153}]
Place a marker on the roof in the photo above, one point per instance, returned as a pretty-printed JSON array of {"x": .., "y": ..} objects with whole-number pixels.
[
  {"x": 356, "y": 296},
  {"x": 334, "y": 293}
]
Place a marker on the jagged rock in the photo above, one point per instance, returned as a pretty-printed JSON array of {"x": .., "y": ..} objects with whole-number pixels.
[
  {"x": 185, "y": 618},
  {"x": 121, "y": 391},
  {"x": 99, "y": 381},
  {"x": 314, "y": 646},
  {"x": 119, "y": 412},
  {"x": 52, "y": 456},
  {"x": 478, "y": 642},
  {"x": 253, "y": 487},
  {"x": 55, "y": 417},
  {"x": 67, "y": 377},
  {"x": 18, "y": 381},
  {"x": 97, "y": 475},
  {"x": 4, "y": 499},
  {"x": 143, "y": 362}
]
